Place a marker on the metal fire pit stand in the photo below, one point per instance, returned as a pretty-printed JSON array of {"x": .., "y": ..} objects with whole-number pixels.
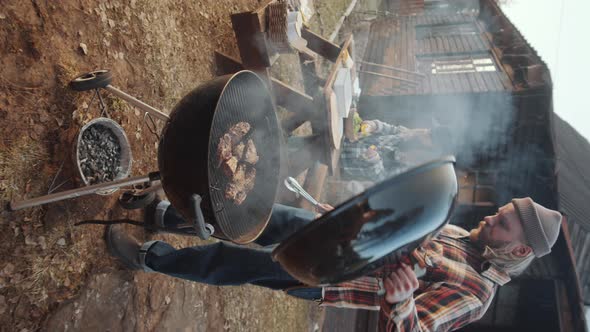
[{"x": 101, "y": 79}]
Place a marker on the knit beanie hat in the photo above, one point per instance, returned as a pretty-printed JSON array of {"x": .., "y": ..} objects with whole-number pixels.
[{"x": 540, "y": 224}]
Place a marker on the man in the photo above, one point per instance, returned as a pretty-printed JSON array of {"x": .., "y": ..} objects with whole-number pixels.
[{"x": 463, "y": 269}]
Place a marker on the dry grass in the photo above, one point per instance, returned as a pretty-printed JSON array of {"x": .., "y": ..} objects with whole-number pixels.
[
  {"x": 59, "y": 269},
  {"x": 21, "y": 166}
]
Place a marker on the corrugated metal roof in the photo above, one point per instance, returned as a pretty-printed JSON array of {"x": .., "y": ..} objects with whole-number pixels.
[{"x": 573, "y": 180}]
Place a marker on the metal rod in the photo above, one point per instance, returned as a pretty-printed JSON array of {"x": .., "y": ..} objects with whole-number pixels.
[
  {"x": 92, "y": 189},
  {"x": 137, "y": 103},
  {"x": 151, "y": 188},
  {"x": 295, "y": 187},
  {"x": 391, "y": 77},
  {"x": 392, "y": 68},
  {"x": 103, "y": 106},
  {"x": 55, "y": 177}
]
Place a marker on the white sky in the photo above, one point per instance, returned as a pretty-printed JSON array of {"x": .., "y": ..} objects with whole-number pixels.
[{"x": 558, "y": 29}]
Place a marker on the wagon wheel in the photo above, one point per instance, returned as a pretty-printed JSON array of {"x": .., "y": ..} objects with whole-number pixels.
[
  {"x": 131, "y": 201},
  {"x": 92, "y": 80}
]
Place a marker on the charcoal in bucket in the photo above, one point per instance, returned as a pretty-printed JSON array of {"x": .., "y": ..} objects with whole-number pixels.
[{"x": 100, "y": 154}]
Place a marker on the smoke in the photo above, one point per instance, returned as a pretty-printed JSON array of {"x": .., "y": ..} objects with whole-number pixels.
[
  {"x": 481, "y": 125},
  {"x": 471, "y": 126}
]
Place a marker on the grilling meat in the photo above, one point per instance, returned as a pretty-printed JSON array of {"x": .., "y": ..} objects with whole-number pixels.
[
  {"x": 240, "y": 175},
  {"x": 232, "y": 190},
  {"x": 236, "y": 193},
  {"x": 240, "y": 197},
  {"x": 238, "y": 131},
  {"x": 238, "y": 150},
  {"x": 250, "y": 179},
  {"x": 230, "y": 166},
  {"x": 237, "y": 158},
  {"x": 241, "y": 184},
  {"x": 224, "y": 149},
  {"x": 251, "y": 156}
]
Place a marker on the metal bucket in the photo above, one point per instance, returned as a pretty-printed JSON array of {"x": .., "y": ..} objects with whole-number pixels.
[{"x": 125, "y": 158}]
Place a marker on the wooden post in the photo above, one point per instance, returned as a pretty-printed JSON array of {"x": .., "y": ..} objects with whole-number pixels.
[{"x": 314, "y": 184}]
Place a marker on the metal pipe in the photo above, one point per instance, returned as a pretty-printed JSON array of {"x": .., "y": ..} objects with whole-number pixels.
[
  {"x": 391, "y": 77},
  {"x": 137, "y": 103},
  {"x": 92, "y": 189},
  {"x": 392, "y": 68}
]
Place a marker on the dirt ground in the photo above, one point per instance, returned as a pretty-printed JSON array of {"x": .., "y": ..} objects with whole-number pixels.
[{"x": 54, "y": 275}]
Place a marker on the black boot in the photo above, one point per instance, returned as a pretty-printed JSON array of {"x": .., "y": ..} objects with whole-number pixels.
[{"x": 123, "y": 246}]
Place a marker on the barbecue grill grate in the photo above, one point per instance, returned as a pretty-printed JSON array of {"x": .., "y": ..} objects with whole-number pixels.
[{"x": 245, "y": 100}]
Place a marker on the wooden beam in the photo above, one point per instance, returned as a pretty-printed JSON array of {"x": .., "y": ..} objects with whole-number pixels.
[
  {"x": 291, "y": 98},
  {"x": 320, "y": 45},
  {"x": 314, "y": 184},
  {"x": 337, "y": 64},
  {"x": 301, "y": 106},
  {"x": 226, "y": 64},
  {"x": 251, "y": 40}
]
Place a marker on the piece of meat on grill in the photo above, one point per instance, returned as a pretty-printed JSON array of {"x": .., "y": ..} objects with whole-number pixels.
[
  {"x": 235, "y": 192},
  {"x": 224, "y": 149},
  {"x": 238, "y": 150},
  {"x": 240, "y": 175},
  {"x": 232, "y": 190},
  {"x": 250, "y": 179},
  {"x": 230, "y": 166},
  {"x": 238, "y": 131},
  {"x": 240, "y": 197},
  {"x": 250, "y": 156}
]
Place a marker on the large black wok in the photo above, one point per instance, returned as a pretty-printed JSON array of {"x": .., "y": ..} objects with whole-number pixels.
[
  {"x": 384, "y": 223},
  {"x": 190, "y": 168}
]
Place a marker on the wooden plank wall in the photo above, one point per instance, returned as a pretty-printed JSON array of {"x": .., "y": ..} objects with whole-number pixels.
[{"x": 393, "y": 43}]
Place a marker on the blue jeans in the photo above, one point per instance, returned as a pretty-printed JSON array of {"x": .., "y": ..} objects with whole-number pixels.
[{"x": 225, "y": 264}]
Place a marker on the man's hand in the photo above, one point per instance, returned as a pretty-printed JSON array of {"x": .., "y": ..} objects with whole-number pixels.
[
  {"x": 323, "y": 207},
  {"x": 400, "y": 284}
]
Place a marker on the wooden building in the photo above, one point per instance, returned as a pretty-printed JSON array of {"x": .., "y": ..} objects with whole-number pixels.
[{"x": 464, "y": 64}]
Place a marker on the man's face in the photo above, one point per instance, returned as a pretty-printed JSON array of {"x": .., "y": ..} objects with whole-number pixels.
[{"x": 500, "y": 229}]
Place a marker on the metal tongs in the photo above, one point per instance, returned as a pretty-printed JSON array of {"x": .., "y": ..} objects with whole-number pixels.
[{"x": 295, "y": 187}]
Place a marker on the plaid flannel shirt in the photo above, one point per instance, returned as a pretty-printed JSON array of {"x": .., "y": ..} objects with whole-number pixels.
[
  {"x": 457, "y": 289},
  {"x": 387, "y": 139}
]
